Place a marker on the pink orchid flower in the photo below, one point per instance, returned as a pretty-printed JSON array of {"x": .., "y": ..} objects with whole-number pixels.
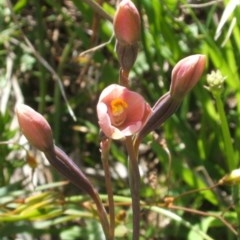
[{"x": 121, "y": 112}]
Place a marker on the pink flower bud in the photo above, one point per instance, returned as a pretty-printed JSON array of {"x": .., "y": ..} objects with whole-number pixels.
[
  {"x": 121, "y": 112},
  {"x": 34, "y": 127},
  {"x": 126, "y": 23},
  {"x": 186, "y": 74}
]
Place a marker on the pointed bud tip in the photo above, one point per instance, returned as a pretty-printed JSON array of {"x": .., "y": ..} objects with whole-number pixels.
[
  {"x": 186, "y": 74},
  {"x": 34, "y": 127},
  {"x": 126, "y": 23}
]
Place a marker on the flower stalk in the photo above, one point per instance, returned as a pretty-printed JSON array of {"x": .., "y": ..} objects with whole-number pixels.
[
  {"x": 39, "y": 133},
  {"x": 215, "y": 85},
  {"x": 123, "y": 78},
  {"x": 134, "y": 182},
  {"x": 104, "y": 148},
  {"x": 63, "y": 164}
]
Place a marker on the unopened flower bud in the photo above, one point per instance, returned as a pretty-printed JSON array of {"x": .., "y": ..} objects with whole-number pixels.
[
  {"x": 35, "y": 128},
  {"x": 186, "y": 74},
  {"x": 126, "y": 23}
]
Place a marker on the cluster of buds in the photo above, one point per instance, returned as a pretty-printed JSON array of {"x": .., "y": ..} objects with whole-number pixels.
[{"x": 215, "y": 81}]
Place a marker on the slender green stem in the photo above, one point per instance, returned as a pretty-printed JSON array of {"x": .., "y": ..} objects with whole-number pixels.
[
  {"x": 105, "y": 144},
  {"x": 226, "y": 133},
  {"x": 229, "y": 155},
  {"x": 134, "y": 181},
  {"x": 98, "y": 9}
]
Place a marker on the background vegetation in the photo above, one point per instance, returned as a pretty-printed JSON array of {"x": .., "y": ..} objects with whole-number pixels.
[{"x": 41, "y": 42}]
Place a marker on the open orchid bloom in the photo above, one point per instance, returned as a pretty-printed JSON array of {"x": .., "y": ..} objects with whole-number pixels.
[
  {"x": 34, "y": 127},
  {"x": 121, "y": 112}
]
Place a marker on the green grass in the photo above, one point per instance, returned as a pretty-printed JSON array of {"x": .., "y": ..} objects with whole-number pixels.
[{"x": 41, "y": 41}]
